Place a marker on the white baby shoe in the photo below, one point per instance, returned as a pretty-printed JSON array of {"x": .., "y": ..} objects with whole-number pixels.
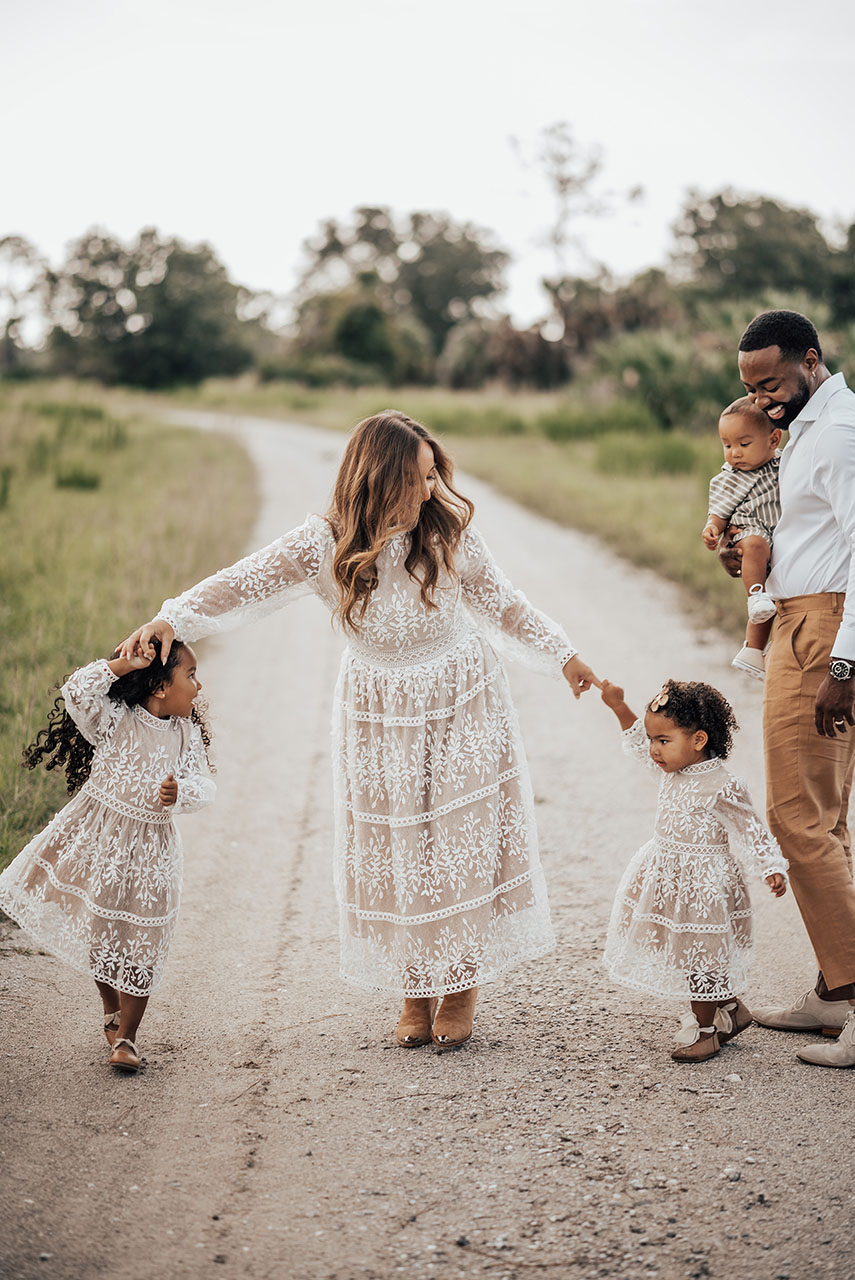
[
  {"x": 760, "y": 606},
  {"x": 752, "y": 661}
]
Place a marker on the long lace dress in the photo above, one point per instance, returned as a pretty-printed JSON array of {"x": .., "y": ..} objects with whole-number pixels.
[
  {"x": 436, "y": 865},
  {"x": 100, "y": 886},
  {"x": 681, "y": 923}
]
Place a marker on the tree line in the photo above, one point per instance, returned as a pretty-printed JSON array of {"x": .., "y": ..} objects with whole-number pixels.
[{"x": 413, "y": 299}]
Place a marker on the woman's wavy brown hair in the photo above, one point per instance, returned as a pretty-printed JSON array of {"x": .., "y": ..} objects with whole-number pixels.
[{"x": 378, "y": 474}]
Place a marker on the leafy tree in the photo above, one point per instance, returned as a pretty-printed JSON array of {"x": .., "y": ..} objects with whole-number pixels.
[
  {"x": 437, "y": 270},
  {"x": 152, "y": 314},
  {"x": 24, "y": 289},
  {"x": 734, "y": 245}
]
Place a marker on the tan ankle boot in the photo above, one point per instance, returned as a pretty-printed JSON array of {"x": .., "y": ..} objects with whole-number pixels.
[
  {"x": 454, "y": 1021},
  {"x": 415, "y": 1022}
]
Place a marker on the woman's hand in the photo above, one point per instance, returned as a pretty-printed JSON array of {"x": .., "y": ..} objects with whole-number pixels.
[
  {"x": 140, "y": 642},
  {"x": 777, "y": 883},
  {"x": 579, "y": 676}
]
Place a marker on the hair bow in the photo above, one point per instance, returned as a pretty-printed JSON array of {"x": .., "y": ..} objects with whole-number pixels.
[{"x": 661, "y": 700}]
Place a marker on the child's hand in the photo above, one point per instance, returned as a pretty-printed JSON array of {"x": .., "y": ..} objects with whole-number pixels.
[
  {"x": 168, "y": 790},
  {"x": 611, "y": 694},
  {"x": 710, "y": 536},
  {"x": 777, "y": 884}
]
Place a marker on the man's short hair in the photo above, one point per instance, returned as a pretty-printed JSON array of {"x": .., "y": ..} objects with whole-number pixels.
[{"x": 789, "y": 330}]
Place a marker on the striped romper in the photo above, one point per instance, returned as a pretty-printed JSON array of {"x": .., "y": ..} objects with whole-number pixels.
[{"x": 748, "y": 499}]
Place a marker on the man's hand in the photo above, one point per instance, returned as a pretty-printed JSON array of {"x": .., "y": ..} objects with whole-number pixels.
[
  {"x": 730, "y": 553},
  {"x": 168, "y": 791},
  {"x": 777, "y": 884},
  {"x": 835, "y": 707}
]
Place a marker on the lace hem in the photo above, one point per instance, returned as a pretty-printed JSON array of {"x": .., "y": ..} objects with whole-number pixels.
[
  {"x": 457, "y": 908},
  {"x": 127, "y": 810},
  {"x": 671, "y": 994},
  {"x": 433, "y": 991},
  {"x": 429, "y": 815}
]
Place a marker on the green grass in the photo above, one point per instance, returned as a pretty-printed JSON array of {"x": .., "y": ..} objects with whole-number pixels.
[
  {"x": 101, "y": 517},
  {"x": 649, "y": 512}
]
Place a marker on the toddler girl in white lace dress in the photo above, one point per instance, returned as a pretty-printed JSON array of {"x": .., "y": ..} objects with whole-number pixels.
[
  {"x": 681, "y": 924},
  {"x": 436, "y": 865},
  {"x": 100, "y": 886}
]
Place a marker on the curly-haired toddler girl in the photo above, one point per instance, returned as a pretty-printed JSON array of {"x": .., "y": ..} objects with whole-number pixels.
[
  {"x": 681, "y": 923},
  {"x": 99, "y": 887}
]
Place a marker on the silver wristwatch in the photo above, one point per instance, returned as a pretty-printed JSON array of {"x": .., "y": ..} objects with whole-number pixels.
[{"x": 840, "y": 669}]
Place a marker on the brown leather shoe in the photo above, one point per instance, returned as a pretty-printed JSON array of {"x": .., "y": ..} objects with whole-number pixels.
[
  {"x": 706, "y": 1046},
  {"x": 453, "y": 1024},
  {"x": 730, "y": 1019},
  {"x": 124, "y": 1055},
  {"x": 415, "y": 1022}
]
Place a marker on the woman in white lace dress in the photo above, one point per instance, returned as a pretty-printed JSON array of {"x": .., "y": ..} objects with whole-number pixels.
[
  {"x": 100, "y": 886},
  {"x": 681, "y": 924},
  {"x": 436, "y": 865}
]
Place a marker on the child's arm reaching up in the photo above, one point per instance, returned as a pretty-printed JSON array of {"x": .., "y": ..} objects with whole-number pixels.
[{"x": 612, "y": 696}]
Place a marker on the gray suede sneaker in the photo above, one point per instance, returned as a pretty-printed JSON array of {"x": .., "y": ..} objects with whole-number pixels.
[{"x": 809, "y": 1013}]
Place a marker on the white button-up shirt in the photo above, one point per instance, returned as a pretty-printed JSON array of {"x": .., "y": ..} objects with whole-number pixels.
[{"x": 814, "y": 543}]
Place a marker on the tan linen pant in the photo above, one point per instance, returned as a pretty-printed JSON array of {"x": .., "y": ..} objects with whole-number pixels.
[{"x": 808, "y": 780}]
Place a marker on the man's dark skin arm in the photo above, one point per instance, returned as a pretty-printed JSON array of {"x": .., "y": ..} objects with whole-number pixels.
[{"x": 835, "y": 699}]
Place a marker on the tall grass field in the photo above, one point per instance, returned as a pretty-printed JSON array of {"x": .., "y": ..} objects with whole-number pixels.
[{"x": 101, "y": 517}]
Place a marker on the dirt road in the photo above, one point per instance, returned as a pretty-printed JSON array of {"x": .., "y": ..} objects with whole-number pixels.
[{"x": 278, "y": 1132}]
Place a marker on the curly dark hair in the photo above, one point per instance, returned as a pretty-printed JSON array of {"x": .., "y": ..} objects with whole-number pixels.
[
  {"x": 693, "y": 705},
  {"x": 61, "y": 745},
  {"x": 789, "y": 330}
]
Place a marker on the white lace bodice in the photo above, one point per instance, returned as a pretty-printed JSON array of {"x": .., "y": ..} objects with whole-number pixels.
[
  {"x": 397, "y": 628},
  {"x": 135, "y": 750},
  {"x": 705, "y": 808}
]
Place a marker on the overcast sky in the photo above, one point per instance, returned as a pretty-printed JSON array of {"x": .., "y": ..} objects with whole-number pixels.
[{"x": 244, "y": 122}]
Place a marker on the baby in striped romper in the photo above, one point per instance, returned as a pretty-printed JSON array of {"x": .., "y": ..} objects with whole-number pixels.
[{"x": 744, "y": 495}]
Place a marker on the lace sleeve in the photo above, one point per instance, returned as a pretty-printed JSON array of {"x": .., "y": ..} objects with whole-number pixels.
[
  {"x": 634, "y": 743},
  {"x": 196, "y": 787},
  {"x": 254, "y": 587},
  {"x": 515, "y": 627},
  {"x": 752, "y": 841},
  {"x": 86, "y": 701}
]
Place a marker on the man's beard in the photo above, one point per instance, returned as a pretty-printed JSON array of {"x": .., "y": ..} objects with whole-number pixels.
[{"x": 793, "y": 406}]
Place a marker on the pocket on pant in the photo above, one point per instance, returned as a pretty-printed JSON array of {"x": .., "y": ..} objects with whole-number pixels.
[
  {"x": 800, "y": 642},
  {"x": 811, "y": 640}
]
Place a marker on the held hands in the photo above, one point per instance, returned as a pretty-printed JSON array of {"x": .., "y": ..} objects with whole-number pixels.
[
  {"x": 777, "y": 884},
  {"x": 141, "y": 642},
  {"x": 579, "y": 676},
  {"x": 168, "y": 791},
  {"x": 611, "y": 694}
]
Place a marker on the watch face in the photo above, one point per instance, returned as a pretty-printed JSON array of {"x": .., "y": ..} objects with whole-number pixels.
[{"x": 841, "y": 670}]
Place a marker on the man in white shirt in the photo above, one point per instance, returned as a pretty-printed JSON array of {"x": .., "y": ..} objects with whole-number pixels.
[{"x": 809, "y": 705}]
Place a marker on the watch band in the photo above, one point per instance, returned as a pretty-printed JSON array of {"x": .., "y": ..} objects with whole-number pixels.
[{"x": 840, "y": 669}]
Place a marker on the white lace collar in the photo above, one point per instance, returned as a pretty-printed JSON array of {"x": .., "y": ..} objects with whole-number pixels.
[
  {"x": 155, "y": 721},
  {"x": 703, "y": 766}
]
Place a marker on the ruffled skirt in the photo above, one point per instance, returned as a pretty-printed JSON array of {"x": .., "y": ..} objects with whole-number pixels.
[
  {"x": 101, "y": 891},
  {"x": 681, "y": 923},
  {"x": 437, "y": 871}
]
